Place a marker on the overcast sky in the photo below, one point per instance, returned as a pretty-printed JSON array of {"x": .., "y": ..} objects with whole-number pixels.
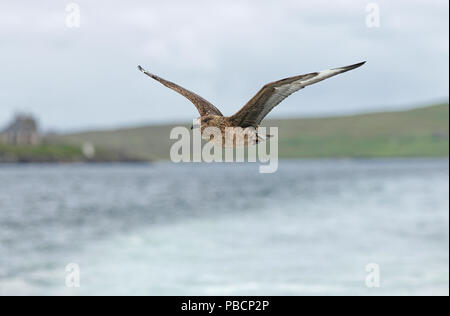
[{"x": 86, "y": 77}]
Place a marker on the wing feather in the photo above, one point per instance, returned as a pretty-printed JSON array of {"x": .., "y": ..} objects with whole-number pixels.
[
  {"x": 204, "y": 107},
  {"x": 275, "y": 92}
]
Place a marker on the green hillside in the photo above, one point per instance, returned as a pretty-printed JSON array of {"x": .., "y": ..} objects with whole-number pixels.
[
  {"x": 422, "y": 132},
  {"x": 58, "y": 152}
]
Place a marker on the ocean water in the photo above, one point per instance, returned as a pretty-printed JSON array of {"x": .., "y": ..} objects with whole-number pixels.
[{"x": 311, "y": 228}]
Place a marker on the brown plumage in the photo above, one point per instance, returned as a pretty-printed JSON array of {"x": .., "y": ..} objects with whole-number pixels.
[{"x": 251, "y": 114}]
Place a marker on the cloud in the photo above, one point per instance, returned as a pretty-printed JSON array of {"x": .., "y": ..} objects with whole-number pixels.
[{"x": 224, "y": 50}]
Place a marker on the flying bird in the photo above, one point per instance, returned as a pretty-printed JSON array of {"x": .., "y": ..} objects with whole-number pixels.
[{"x": 249, "y": 117}]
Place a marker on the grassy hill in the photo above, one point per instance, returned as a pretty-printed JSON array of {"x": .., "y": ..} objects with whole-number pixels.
[
  {"x": 59, "y": 152},
  {"x": 422, "y": 132}
]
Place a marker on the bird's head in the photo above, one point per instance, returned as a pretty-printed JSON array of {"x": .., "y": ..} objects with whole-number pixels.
[{"x": 207, "y": 120}]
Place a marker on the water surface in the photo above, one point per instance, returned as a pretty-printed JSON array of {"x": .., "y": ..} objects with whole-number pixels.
[{"x": 224, "y": 229}]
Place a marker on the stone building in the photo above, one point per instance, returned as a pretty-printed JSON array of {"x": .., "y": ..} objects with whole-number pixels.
[{"x": 22, "y": 131}]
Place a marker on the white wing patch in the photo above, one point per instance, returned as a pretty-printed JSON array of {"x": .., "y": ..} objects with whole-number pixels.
[{"x": 321, "y": 76}]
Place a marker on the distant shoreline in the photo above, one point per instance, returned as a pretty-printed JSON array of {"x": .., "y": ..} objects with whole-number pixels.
[
  {"x": 420, "y": 132},
  {"x": 150, "y": 163}
]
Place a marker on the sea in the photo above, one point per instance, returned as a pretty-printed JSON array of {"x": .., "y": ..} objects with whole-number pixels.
[{"x": 314, "y": 227}]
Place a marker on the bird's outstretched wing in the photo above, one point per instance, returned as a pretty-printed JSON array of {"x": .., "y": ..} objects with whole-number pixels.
[
  {"x": 273, "y": 93},
  {"x": 203, "y": 106}
]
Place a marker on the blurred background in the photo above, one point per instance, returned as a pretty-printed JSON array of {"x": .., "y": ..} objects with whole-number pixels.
[{"x": 86, "y": 177}]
